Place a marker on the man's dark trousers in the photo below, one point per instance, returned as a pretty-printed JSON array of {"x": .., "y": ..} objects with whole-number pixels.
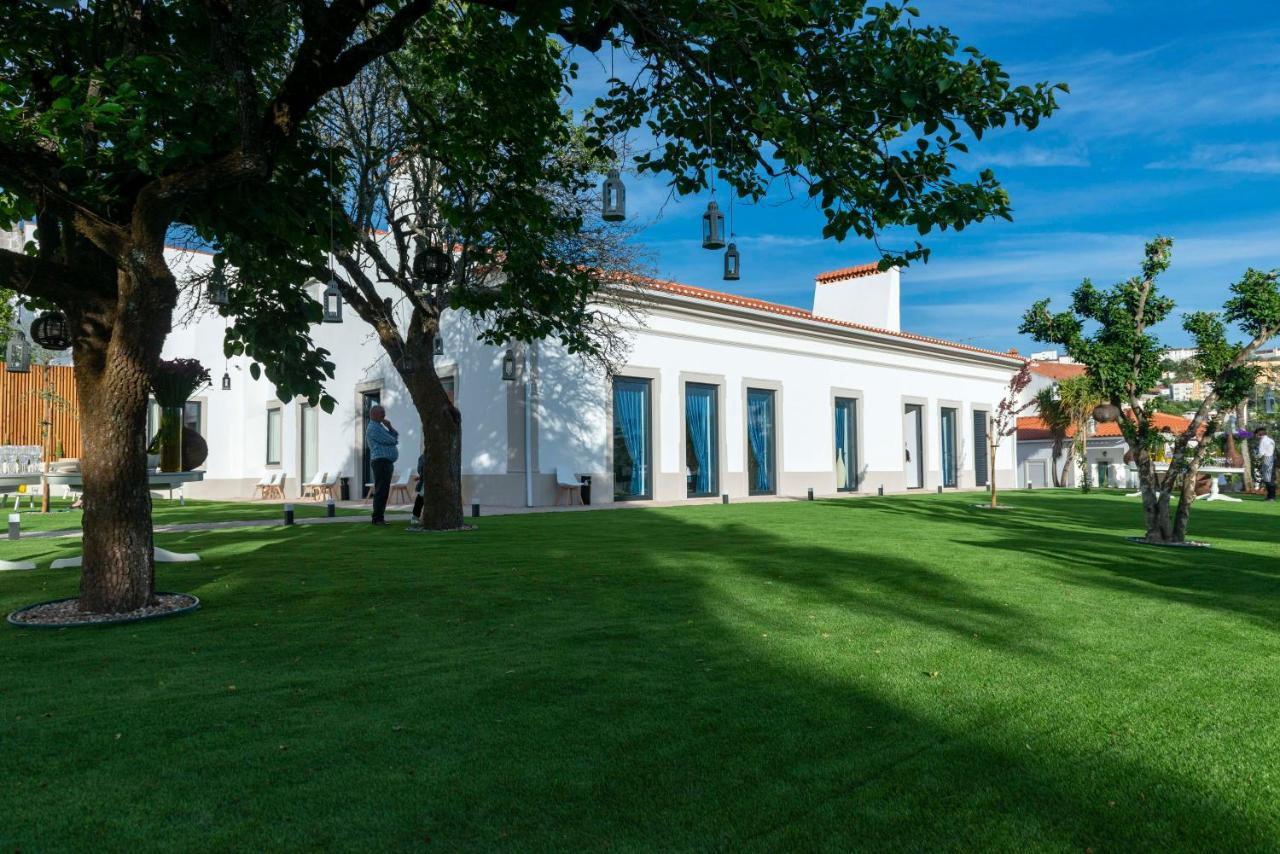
[{"x": 382, "y": 471}]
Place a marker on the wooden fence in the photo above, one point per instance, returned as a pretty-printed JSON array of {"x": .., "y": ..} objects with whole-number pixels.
[{"x": 22, "y": 409}]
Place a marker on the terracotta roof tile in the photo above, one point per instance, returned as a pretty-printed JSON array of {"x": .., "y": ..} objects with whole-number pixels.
[
  {"x": 847, "y": 273},
  {"x": 792, "y": 311},
  {"x": 1057, "y": 370},
  {"x": 1032, "y": 428}
]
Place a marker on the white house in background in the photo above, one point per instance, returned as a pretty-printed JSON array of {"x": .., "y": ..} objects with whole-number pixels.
[{"x": 720, "y": 395}]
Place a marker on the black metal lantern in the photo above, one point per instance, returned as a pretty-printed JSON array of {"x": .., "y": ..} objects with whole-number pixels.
[
  {"x": 218, "y": 292},
  {"x": 437, "y": 345},
  {"x": 226, "y": 381},
  {"x": 432, "y": 265},
  {"x": 1106, "y": 412},
  {"x": 732, "y": 263},
  {"x": 509, "y": 366},
  {"x": 713, "y": 227},
  {"x": 51, "y": 331},
  {"x": 332, "y": 302},
  {"x": 613, "y": 198},
  {"x": 17, "y": 355},
  {"x": 387, "y": 305}
]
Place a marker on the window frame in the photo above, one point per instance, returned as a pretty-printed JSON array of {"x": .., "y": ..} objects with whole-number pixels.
[
  {"x": 279, "y": 460},
  {"x": 649, "y": 385}
]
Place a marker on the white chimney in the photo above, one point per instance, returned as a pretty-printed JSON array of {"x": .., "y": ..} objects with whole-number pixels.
[{"x": 862, "y": 294}]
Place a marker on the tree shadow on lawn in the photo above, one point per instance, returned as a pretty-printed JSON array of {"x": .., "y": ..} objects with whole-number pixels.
[
  {"x": 1078, "y": 542},
  {"x": 649, "y": 679}
]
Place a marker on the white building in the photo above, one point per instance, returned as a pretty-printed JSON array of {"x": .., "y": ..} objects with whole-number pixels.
[{"x": 721, "y": 395}]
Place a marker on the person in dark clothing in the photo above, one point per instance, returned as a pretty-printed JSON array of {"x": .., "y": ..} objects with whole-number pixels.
[
  {"x": 383, "y": 441},
  {"x": 418, "y": 501}
]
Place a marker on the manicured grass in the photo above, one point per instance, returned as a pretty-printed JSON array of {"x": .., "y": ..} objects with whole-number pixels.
[
  {"x": 169, "y": 512},
  {"x": 885, "y": 674}
]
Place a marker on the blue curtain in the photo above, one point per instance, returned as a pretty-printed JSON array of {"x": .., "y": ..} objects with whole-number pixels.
[
  {"x": 759, "y": 434},
  {"x": 948, "y": 447},
  {"x": 697, "y": 407},
  {"x": 842, "y": 460},
  {"x": 629, "y": 411}
]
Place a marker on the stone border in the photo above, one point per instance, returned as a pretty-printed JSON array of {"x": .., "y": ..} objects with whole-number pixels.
[
  {"x": 1189, "y": 544},
  {"x": 130, "y": 617}
]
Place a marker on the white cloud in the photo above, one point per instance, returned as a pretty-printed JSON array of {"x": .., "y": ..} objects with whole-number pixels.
[
  {"x": 1251, "y": 158},
  {"x": 1034, "y": 156}
]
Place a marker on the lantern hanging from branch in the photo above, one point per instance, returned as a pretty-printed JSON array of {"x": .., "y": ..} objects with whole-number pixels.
[
  {"x": 432, "y": 265},
  {"x": 509, "y": 366},
  {"x": 732, "y": 263},
  {"x": 713, "y": 227},
  {"x": 613, "y": 201},
  {"x": 51, "y": 331},
  {"x": 332, "y": 302},
  {"x": 17, "y": 355},
  {"x": 218, "y": 292}
]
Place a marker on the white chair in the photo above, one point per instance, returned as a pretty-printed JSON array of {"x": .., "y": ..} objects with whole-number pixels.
[
  {"x": 401, "y": 488},
  {"x": 311, "y": 489},
  {"x": 568, "y": 485},
  {"x": 329, "y": 489},
  {"x": 260, "y": 488}
]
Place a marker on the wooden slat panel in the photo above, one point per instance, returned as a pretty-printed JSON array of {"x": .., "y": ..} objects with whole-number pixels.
[{"x": 21, "y": 409}]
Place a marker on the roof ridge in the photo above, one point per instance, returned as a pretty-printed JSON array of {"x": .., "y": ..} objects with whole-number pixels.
[{"x": 843, "y": 273}]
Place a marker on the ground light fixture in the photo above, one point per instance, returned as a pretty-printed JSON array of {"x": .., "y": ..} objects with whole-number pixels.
[
  {"x": 613, "y": 198},
  {"x": 17, "y": 354},
  {"x": 509, "y": 366},
  {"x": 332, "y": 301},
  {"x": 51, "y": 331}
]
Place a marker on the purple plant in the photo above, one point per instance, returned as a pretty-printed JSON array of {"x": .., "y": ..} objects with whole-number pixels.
[{"x": 175, "y": 380}]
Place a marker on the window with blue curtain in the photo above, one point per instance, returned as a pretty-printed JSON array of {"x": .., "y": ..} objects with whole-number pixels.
[
  {"x": 761, "y": 450},
  {"x": 632, "y": 446},
  {"x": 701, "y": 439},
  {"x": 846, "y": 444},
  {"x": 949, "y": 474}
]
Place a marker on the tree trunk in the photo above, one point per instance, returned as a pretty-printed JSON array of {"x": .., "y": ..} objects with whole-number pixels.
[
  {"x": 116, "y": 351},
  {"x": 991, "y": 457},
  {"x": 442, "y": 446}
]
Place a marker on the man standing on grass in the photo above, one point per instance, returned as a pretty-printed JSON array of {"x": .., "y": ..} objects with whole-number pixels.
[
  {"x": 382, "y": 440},
  {"x": 1267, "y": 458}
]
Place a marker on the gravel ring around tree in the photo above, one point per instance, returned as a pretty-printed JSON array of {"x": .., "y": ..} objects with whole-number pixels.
[
  {"x": 1188, "y": 544},
  {"x": 62, "y": 613}
]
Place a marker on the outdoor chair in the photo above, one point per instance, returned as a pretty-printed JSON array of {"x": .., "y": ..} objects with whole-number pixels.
[
  {"x": 312, "y": 488},
  {"x": 568, "y": 485},
  {"x": 401, "y": 488},
  {"x": 260, "y": 488},
  {"x": 275, "y": 489},
  {"x": 329, "y": 489}
]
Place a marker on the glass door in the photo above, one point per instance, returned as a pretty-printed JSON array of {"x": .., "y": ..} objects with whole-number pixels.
[
  {"x": 368, "y": 400},
  {"x": 846, "y": 444},
  {"x": 761, "y": 443},
  {"x": 310, "y": 443},
  {"x": 701, "y": 440},
  {"x": 949, "y": 474},
  {"x": 632, "y": 420},
  {"x": 913, "y": 445}
]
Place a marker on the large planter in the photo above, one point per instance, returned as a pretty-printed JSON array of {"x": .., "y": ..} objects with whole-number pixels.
[{"x": 169, "y": 438}]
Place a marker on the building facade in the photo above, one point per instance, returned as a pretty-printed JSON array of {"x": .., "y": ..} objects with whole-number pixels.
[{"x": 719, "y": 395}]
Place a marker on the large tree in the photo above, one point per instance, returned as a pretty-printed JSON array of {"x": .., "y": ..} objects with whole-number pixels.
[
  {"x": 1112, "y": 333},
  {"x": 120, "y": 119}
]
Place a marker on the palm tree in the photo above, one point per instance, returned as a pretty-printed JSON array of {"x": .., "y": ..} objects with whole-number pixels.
[
  {"x": 1058, "y": 420},
  {"x": 1079, "y": 396}
]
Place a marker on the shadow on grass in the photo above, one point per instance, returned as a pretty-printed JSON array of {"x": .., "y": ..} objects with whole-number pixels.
[{"x": 702, "y": 678}]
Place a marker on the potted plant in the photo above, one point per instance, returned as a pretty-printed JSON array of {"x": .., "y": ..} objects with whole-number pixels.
[{"x": 173, "y": 383}]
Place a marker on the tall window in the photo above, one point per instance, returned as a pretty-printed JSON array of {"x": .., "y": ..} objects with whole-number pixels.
[
  {"x": 701, "y": 414},
  {"x": 948, "y": 435},
  {"x": 980, "y": 447},
  {"x": 761, "y": 443},
  {"x": 275, "y": 435},
  {"x": 846, "y": 444},
  {"x": 310, "y": 442},
  {"x": 632, "y": 421}
]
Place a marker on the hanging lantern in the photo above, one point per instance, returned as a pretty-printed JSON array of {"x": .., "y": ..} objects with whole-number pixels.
[
  {"x": 226, "y": 381},
  {"x": 433, "y": 265},
  {"x": 51, "y": 331},
  {"x": 217, "y": 290},
  {"x": 437, "y": 346},
  {"x": 406, "y": 364},
  {"x": 509, "y": 366},
  {"x": 17, "y": 355},
  {"x": 732, "y": 263},
  {"x": 613, "y": 201},
  {"x": 1106, "y": 412},
  {"x": 713, "y": 227},
  {"x": 332, "y": 302},
  {"x": 387, "y": 305}
]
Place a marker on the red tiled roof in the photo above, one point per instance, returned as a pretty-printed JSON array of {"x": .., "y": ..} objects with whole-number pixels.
[
  {"x": 847, "y": 273},
  {"x": 1057, "y": 370},
  {"x": 791, "y": 311},
  {"x": 1032, "y": 428}
]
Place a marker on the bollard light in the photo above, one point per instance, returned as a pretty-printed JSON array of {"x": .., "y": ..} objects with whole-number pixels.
[
  {"x": 15, "y": 525},
  {"x": 1028, "y": 484},
  {"x": 939, "y": 489},
  {"x": 475, "y": 511},
  {"x": 330, "y": 509},
  {"x": 811, "y": 493},
  {"x": 724, "y": 499},
  {"x": 288, "y": 514},
  {"x": 880, "y": 491}
]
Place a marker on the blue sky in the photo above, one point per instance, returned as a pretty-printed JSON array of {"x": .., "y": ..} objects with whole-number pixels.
[{"x": 1172, "y": 127}]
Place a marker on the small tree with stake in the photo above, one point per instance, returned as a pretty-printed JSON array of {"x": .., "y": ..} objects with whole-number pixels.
[
  {"x": 1004, "y": 423},
  {"x": 1109, "y": 331}
]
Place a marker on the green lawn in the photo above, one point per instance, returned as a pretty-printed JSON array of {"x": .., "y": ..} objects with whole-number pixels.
[
  {"x": 884, "y": 674},
  {"x": 169, "y": 512}
]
